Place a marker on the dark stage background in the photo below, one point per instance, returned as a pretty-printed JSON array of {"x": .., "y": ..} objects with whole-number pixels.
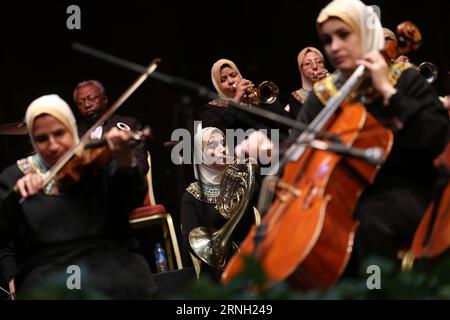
[{"x": 262, "y": 38}]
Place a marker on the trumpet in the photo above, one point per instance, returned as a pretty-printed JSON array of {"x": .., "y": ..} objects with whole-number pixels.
[
  {"x": 428, "y": 70},
  {"x": 267, "y": 93},
  {"x": 320, "y": 73}
]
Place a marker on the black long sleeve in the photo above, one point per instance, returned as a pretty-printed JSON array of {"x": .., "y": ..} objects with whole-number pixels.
[
  {"x": 232, "y": 118},
  {"x": 424, "y": 120},
  {"x": 8, "y": 222},
  {"x": 422, "y": 134}
]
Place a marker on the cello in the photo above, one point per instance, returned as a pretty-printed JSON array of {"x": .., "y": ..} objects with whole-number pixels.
[
  {"x": 432, "y": 236},
  {"x": 309, "y": 228}
]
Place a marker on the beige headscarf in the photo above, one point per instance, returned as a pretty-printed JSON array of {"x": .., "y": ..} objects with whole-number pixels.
[
  {"x": 388, "y": 34},
  {"x": 52, "y": 105},
  {"x": 215, "y": 75},
  {"x": 361, "y": 18},
  {"x": 303, "y": 53},
  {"x": 206, "y": 174}
]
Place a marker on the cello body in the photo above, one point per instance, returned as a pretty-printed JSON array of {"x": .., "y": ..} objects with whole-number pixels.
[
  {"x": 310, "y": 225},
  {"x": 439, "y": 235},
  {"x": 432, "y": 236}
]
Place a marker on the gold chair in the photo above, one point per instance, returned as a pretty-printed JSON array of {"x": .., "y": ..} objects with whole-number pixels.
[{"x": 156, "y": 214}]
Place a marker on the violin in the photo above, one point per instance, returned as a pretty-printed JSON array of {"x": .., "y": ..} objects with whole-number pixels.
[
  {"x": 409, "y": 39},
  {"x": 307, "y": 232},
  {"x": 94, "y": 156},
  {"x": 81, "y": 157}
]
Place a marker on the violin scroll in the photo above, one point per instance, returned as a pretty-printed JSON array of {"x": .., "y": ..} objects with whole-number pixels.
[{"x": 409, "y": 39}]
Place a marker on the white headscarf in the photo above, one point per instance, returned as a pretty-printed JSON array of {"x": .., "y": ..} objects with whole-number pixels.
[
  {"x": 206, "y": 174},
  {"x": 361, "y": 18},
  {"x": 215, "y": 75},
  {"x": 52, "y": 105}
]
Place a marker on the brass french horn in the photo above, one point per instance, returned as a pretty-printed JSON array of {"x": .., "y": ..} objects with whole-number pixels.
[
  {"x": 428, "y": 70},
  {"x": 236, "y": 190}
]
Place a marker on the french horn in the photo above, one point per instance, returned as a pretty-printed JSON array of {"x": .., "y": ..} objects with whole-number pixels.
[{"x": 236, "y": 190}]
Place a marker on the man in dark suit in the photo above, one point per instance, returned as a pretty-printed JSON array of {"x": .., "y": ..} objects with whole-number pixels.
[{"x": 92, "y": 102}]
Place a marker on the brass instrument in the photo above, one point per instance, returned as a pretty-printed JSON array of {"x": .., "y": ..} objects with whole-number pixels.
[
  {"x": 267, "y": 93},
  {"x": 236, "y": 190},
  {"x": 324, "y": 75},
  {"x": 428, "y": 70}
]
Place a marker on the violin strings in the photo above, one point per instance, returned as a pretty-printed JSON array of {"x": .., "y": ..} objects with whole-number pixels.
[{"x": 6, "y": 291}]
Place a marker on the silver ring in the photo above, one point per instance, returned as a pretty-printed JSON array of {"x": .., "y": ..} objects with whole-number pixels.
[{"x": 123, "y": 126}]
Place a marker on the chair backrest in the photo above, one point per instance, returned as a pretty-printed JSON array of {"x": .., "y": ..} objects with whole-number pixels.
[{"x": 150, "y": 197}]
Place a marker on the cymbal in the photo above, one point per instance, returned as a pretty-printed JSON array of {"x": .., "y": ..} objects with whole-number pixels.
[{"x": 15, "y": 128}]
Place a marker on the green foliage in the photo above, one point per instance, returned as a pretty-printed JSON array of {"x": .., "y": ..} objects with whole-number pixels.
[{"x": 427, "y": 280}]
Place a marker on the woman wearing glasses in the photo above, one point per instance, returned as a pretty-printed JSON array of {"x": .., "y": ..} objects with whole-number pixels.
[{"x": 312, "y": 68}]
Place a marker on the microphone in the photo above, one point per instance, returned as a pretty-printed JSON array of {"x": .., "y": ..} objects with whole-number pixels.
[{"x": 374, "y": 156}]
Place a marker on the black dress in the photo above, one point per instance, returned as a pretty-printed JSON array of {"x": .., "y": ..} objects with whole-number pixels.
[
  {"x": 296, "y": 100},
  {"x": 390, "y": 209},
  {"x": 198, "y": 213},
  {"x": 85, "y": 226}
]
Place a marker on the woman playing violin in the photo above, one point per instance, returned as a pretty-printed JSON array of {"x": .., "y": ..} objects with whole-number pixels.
[
  {"x": 389, "y": 210},
  {"x": 48, "y": 234}
]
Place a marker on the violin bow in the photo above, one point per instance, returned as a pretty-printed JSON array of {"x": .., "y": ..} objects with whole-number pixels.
[{"x": 50, "y": 174}]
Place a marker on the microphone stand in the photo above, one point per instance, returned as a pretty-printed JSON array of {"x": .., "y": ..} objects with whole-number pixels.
[
  {"x": 308, "y": 135},
  {"x": 371, "y": 155},
  {"x": 199, "y": 89},
  {"x": 6, "y": 292}
]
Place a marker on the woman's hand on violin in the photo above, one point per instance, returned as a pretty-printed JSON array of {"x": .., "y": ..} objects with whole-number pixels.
[
  {"x": 379, "y": 72},
  {"x": 243, "y": 85},
  {"x": 119, "y": 145},
  {"x": 12, "y": 289},
  {"x": 29, "y": 185},
  {"x": 401, "y": 59}
]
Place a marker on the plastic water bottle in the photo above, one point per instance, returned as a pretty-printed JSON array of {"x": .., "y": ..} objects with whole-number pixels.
[{"x": 160, "y": 259}]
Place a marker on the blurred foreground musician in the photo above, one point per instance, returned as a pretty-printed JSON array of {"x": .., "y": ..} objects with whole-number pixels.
[
  {"x": 54, "y": 239},
  {"x": 390, "y": 209}
]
